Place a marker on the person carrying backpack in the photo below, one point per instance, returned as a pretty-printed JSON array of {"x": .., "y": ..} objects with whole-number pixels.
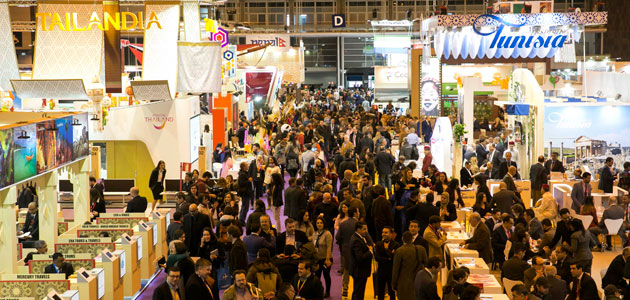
[{"x": 263, "y": 273}]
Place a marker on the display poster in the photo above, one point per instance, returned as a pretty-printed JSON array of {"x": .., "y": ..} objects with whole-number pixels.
[
  {"x": 430, "y": 88},
  {"x": 391, "y": 77},
  {"x": 588, "y": 134},
  {"x": 6, "y": 159},
  {"x": 25, "y": 153},
  {"x": 441, "y": 141},
  {"x": 195, "y": 137},
  {"x": 64, "y": 140},
  {"x": 80, "y": 138},
  {"x": 275, "y": 40},
  {"x": 46, "y": 146}
]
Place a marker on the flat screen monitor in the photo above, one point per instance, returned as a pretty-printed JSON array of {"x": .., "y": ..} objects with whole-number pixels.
[
  {"x": 123, "y": 261},
  {"x": 139, "y": 242}
]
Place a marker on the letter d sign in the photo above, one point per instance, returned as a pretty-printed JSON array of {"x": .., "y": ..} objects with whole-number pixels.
[{"x": 339, "y": 21}]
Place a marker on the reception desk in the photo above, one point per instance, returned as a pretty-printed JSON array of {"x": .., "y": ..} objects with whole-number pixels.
[
  {"x": 34, "y": 286},
  {"x": 147, "y": 248},
  {"x": 77, "y": 260},
  {"x": 93, "y": 246},
  {"x": 110, "y": 263},
  {"x": 131, "y": 279}
]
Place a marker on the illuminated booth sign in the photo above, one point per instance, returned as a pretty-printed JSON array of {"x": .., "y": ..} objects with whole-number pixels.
[
  {"x": 508, "y": 35},
  {"x": 117, "y": 21}
]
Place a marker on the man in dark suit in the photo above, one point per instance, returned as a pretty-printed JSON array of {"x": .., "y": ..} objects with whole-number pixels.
[
  {"x": 506, "y": 164},
  {"x": 31, "y": 224},
  {"x": 360, "y": 260},
  {"x": 409, "y": 259},
  {"x": 538, "y": 177},
  {"x": 417, "y": 238},
  {"x": 500, "y": 237},
  {"x": 580, "y": 191},
  {"x": 305, "y": 284},
  {"x": 295, "y": 198},
  {"x": 494, "y": 157},
  {"x": 137, "y": 203},
  {"x": 537, "y": 270},
  {"x": 504, "y": 199},
  {"x": 606, "y": 177},
  {"x": 465, "y": 175},
  {"x": 563, "y": 263},
  {"x": 616, "y": 273},
  {"x": 199, "y": 285},
  {"x": 480, "y": 240},
  {"x": 533, "y": 224},
  {"x": 384, "y": 256},
  {"x": 494, "y": 219},
  {"x": 427, "y": 130},
  {"x": 237, "y": 260},
  {"x": 563, "y": 232},
  {"x": 170, "y": 289},
  {"x": 559, "y": 290},
  {"x": 583, "y": 286},
  {"x": 554, "y": 165},
  {"x": 514, "y": 268},
  {"x": 425, "y": 210},
  {"x": 482, "y": 153},
  {"x": 615, "y": 211},
  {"x": 343, "y": 236},
  {"x": 425, "y": 282},
  {"x": 97, "y": 186},
  {"x": 59, "y": 266},
  {"x": 291, "y": 236},
  {"x": 194, "y": 223}
]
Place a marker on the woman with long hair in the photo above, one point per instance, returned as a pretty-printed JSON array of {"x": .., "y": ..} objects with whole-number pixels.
[
  {"x": 271, "y": 168},
  {"x": 580, "y": 244},
  {"x": 323, "y": 244},
  {"x": 454, "y": 192},
  {"x": 193, "y": 196},
  {"x": 304, "y": 223},
  {"x": 588, "y": 209},
  {"x": 275, "y": 197},
  {"x": 481, "y": 205},
  {"x": 480, "y": 181},
  {"x": 448, "y": 212},
  {"x": 156, "y": 182},
  {"x": 331, "y": 175},
  {"x": 342, "y": 216},
  {"x": 442, "y": 183},
  {"x": 97, "y": 204}
]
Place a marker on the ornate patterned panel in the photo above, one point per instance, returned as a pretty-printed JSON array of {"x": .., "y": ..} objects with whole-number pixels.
[
  {"x": 38, "y": 266},
  {"x": 68, "y": 54},
  {"x": 8, "y": 60},
  {"x": 113, "y": 233},
  {"x": 584, "y": 18},
  {"x": 67, "y": 89},
  {"x": 62, "y": 227},
  {"x": 92, "y": 248},
  {"x": 160, "y": 46},
  {"x": 37, "y": 289},
  {"x": 127, "y": 221},
  {"x": 151, "y": 90},
  {"x": 192, "y": 29}
]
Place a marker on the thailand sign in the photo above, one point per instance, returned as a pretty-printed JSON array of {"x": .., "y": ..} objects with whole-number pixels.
[
  {"x": 117, "y": 21},
  {"x": 276, "y": 40}
]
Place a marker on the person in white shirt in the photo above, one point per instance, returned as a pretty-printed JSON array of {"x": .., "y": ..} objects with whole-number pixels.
[{"x": 511, "y": 149}]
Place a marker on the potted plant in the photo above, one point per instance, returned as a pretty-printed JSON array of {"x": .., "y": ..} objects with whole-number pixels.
[{"x": 459, "y": 131}]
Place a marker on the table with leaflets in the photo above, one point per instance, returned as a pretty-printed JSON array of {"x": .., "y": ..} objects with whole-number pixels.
[{"x": 487, "y": 282}]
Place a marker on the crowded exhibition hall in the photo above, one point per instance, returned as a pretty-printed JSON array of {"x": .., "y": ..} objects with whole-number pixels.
[{"x": 314, "y": 149}]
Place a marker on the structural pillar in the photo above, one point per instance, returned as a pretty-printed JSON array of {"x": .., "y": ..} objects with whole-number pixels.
[
  {"x": 47, "y": 211},
  {"x": 8, "y": 231},
  {"x": 80, "y": 175},
  {"x": 241, "y": 12},
  {"x": 341, "y": 8}
]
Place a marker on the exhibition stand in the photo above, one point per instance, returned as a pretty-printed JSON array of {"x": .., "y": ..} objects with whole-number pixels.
[{"x": 131, "y": 279}]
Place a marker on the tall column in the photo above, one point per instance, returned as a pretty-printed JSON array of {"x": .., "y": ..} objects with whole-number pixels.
[
  {"x": 113, "y": 63},
  {"x": 81, "y": 190},
  {"x": 8, "y": 232},
  {"x": 47, "y": 211},
  {"x": 341, "y": 8},
  {"x": 390, "y": 9},
  {"x": 291, "y": 14},
  {"x": 241, "y": 12}
]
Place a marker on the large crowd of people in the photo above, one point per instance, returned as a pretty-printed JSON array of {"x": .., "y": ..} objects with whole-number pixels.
[{"x": 347, "y": 190}]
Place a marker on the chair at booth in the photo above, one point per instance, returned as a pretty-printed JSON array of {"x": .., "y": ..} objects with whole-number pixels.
[{"x": 612, "y": 226}]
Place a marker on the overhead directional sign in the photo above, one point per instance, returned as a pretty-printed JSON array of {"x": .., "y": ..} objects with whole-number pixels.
[{"x": 339, "y": 21}]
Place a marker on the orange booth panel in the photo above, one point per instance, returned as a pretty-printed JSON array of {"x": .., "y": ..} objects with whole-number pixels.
[
  {"x": 219, "y": 126},
  {"x": 223, "y": 102}
]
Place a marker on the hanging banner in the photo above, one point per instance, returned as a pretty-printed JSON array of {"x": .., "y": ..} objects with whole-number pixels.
[
  {"x": 160, "y": 46},
  {"x": 228, "y": 67},
  {"x": 430, "y": 88}
]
